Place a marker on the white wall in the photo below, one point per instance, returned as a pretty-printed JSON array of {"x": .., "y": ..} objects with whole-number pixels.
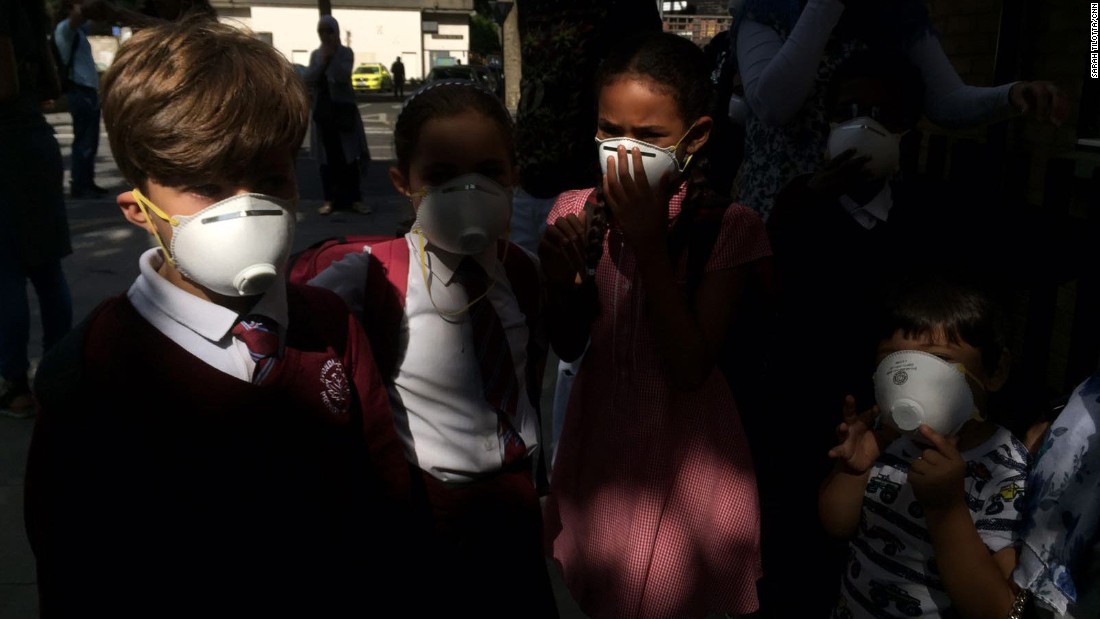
[
  {"x": 376, "y": 35},
  {"x": 450, "y": 25}
]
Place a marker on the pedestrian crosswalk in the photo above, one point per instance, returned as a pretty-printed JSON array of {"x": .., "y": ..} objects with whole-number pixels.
[{"x": 378, "y": 122}]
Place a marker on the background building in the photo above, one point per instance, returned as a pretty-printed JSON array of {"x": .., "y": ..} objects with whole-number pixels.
[
  {"x": 696, "y": 20},
  {"x": 424, "y": 33}
]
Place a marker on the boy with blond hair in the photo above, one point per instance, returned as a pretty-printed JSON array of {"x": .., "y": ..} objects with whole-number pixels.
[{"x": 216, "y": 441}]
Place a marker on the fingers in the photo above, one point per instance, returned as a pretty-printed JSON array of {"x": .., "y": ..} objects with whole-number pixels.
[
  {"x": 1042, "y": 97},
  {"x": 577, "y": 235},
  {"x": 568, "y": 237},
  {"x": 1059, "y": 111},
  {"x": 612, "y": 187},
  {"x": 868, "y": 416},
  {"x": 938, "y": 441},
  {"x": 844, "y": 156},
  {"x": 849, "y": 411},
  {"x": 639, "y": 177},
  {"x": 620, "y": 185},
  {"x": 1044, "y": 100},
  {"x": 842, "y": 432}
]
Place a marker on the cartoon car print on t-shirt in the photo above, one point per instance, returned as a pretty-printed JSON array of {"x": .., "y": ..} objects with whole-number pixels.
[
  {"x": 1010, "y": 493},
  {"x": 884, "y": 594},
  {"x": 887, "y": 490}
]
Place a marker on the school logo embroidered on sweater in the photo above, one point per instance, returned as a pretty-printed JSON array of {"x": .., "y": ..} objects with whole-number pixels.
[{"x": 337, "y": 393}]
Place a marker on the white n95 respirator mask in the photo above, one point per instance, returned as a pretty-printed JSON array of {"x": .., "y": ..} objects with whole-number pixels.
[
  {"x": 914, "y": 388},
  {"x": 465, "y": 215},
  {"x": 236, "y": 247},
  {"x": 656, "y": 160},
  {"x": 871, "y": 139}
]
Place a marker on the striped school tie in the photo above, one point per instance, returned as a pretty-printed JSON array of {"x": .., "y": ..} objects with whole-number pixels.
[
  {"x": 261, "y": 335},
  {"x": 494, "y": 356}
]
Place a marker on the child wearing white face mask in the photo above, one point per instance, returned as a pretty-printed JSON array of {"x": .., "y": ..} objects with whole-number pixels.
[
  {"x": 837, "y": 235},
  {"x": 933, "y": 516},
  {"x": 453, "y": 309},
  {"x": 215, "y": 441},
  {"x": 653, "y": 510}
]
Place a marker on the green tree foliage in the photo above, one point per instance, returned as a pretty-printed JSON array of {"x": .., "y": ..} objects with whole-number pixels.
[{"x": 484, "y": 36}]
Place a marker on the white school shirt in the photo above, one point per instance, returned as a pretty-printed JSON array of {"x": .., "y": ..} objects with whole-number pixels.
[
  {"x": 448, "y": 428},
  {"x": 877, "y": 208},
  {"x": 200, "y": 327}
]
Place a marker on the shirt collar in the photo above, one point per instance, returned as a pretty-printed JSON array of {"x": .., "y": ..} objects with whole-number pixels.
[
  {"x": 209, "y": 320},
  {"x": 442, "y": 265},
  {"x": 875, "y": 210}
]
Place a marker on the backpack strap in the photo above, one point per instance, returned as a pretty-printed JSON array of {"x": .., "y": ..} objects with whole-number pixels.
[
  {"x": 384, "y": 302},
  {"x": 394, "y": 255}
]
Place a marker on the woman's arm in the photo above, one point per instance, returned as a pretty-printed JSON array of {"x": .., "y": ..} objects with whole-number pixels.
[
  {"x": 948, "y": 101},
  {"x": 316, "y": 69},
  {"x": 340, "y": 67},
  {"x": 779, "y": 75}
]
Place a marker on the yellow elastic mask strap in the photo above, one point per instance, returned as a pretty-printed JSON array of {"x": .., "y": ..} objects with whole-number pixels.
[
  {"x": 971, "y": 381},
  {"x": 676, "y": 147},
  {"x": 422, "y": 260},
  {"x": 146, "y": 205}
]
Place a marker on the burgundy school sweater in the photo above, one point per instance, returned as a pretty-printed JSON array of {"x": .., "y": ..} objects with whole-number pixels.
[{"x": 159, "y": 486}]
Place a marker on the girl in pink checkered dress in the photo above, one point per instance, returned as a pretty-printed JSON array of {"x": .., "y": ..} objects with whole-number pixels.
[{"x": 653, "y": 507}]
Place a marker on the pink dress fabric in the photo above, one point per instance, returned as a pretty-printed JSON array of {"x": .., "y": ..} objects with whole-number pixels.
[{"x": 653, "y": 508}]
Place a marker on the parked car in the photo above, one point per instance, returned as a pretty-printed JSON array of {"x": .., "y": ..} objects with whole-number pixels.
[
  {"x": 490, "y": 78},
  {"x": 371, "y": 77}
]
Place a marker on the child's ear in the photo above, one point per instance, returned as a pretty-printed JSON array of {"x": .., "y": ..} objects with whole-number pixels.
[
  {"x": 698, "y": 135},
  {"x": 399, "y": 180},
  {"x": 1000, "y": 375},
  {"x": 132, "y": 212}
]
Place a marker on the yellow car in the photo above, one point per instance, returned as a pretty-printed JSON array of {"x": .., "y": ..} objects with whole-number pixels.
[{"x": 371, "y": 77}]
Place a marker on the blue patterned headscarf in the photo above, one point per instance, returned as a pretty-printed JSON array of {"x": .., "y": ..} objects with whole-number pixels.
[{"x": 1063, "y": 502}]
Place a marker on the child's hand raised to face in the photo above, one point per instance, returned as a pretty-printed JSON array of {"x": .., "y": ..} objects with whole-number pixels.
[
  {"x": 562, "y": 251},
  {"x": 640, "y": 212},
  {"x": 937, "y": 474},
  {"x": 859, "y": 445}
]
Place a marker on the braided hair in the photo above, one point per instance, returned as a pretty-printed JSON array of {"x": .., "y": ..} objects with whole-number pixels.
[{"x": 679, "y": 68}]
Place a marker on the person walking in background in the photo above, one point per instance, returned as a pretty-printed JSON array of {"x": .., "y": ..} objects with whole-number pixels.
[
  {"x": 81, "y": 81},
  {"x": 398, "y": 71},
  {"x": 337, "y": 138},
  {"x": 34, "y": 231}
]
